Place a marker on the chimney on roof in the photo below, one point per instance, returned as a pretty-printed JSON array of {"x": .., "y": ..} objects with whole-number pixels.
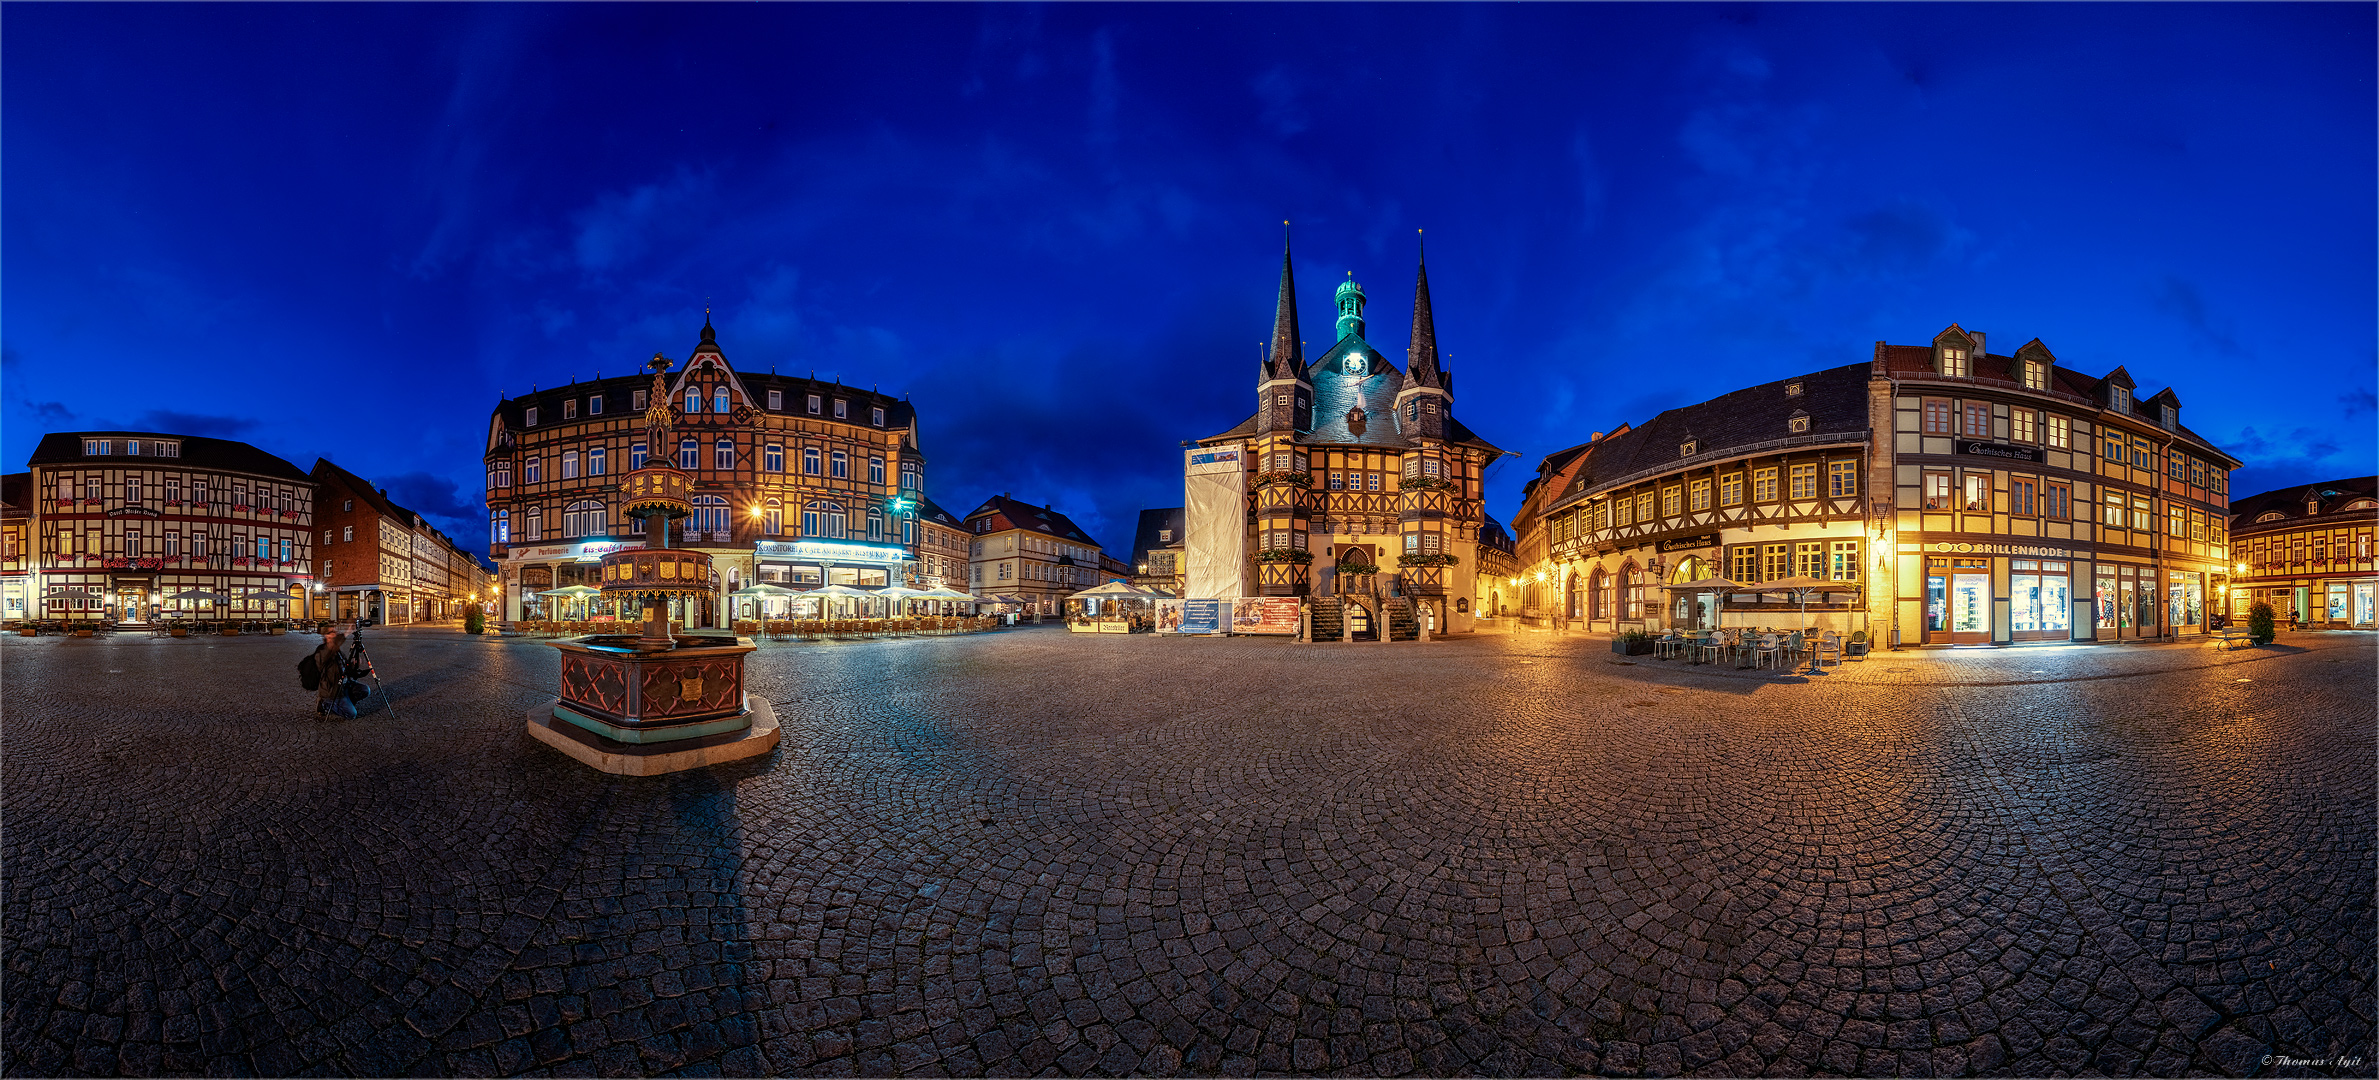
[
  {"x": 1981, "y": 344},
  {"x": 1598, "y": 437}
]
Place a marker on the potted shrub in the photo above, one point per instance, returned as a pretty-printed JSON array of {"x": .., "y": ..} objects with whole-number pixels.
[
  {"x": 278, "y": 627},
  {"x": 1632, "y": 643},
  {"x": 2259, "y": 623},
  {"x": 82, "y": 631},
  {"x": 474, "y": 621},
  {"x": 179, "y": 630}
]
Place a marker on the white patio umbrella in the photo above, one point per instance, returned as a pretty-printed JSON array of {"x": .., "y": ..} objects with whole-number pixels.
[
  {"x": 840, "y": 591},
  {"x": 1800, "y": 588},
  {"x": 198, "y": 594}
]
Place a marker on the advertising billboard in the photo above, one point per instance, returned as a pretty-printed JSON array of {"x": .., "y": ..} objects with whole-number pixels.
[
  {"x": 1264, "y": 615},
  {"x": 1204, "y": 616}
]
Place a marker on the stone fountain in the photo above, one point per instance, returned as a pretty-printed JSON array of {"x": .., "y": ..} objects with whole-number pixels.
[{"x": 658, "y": 701}]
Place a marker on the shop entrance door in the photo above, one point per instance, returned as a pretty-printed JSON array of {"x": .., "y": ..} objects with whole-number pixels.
[
  {"x": 1957, "y": 602},
  {"x": 1358, "y": 623},
  {"x": 132, "y": 603}
]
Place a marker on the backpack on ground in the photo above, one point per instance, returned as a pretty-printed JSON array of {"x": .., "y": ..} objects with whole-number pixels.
[{"x": 309, "y": 673}]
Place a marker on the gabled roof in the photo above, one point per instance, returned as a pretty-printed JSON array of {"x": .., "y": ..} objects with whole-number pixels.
[
  {"x": 16, "y": 494},
  {"x": 1153, "y": 524},
  {"x": 1835, "y": 401},
  {"x": 1999, "y": 372},
  {"x": 1007, "y": 513},
  {"x": 2290, "y": 501},
  {"x": 198, "y": 452},
  {"x": 329, "y": 474},
  {"x": 618, "y": 393},
  {"x": 929, "y": 510}
]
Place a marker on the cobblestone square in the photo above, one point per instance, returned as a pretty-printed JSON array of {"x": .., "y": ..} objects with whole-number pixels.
[{"x": 1031, "y": 852}]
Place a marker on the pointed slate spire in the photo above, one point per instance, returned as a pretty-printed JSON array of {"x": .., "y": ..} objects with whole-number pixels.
[
  {"x": 1286, "y": 360},
  {"x": 1421, "y": 357},
  {"x": 710, "y": 339}
]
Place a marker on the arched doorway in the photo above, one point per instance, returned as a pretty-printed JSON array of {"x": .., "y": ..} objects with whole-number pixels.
[
  {"x": 1360, "y": 626},
  {"x": 1570, "y": 603},
  {"x": 1693, "y": 609}
]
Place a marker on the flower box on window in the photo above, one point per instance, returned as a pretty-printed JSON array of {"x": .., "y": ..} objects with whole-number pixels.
[
  {"x": 239, "y": 562},
  {"x": 1286, "y": 555},
  {"x": 1418, "y": 482},
  {"x": 1440, "y": 559}
]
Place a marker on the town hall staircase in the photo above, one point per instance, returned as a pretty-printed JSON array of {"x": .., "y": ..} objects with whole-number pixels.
[{"x": 1329, "y": 618}]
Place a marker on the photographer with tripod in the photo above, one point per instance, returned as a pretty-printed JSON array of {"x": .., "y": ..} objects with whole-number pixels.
[{"x": 340, "y": 691}]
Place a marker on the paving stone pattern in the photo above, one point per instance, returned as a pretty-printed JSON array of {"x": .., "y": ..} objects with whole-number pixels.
[{"x": 1033, "y": 852}]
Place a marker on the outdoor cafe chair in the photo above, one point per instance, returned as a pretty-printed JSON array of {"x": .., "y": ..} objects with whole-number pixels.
[
  {"x": 1828, "y": 645},
  {"x": 1857, "y": 646},
  {"x": 1667, "y": 645},
  {"x": 1769, "y": 650}
]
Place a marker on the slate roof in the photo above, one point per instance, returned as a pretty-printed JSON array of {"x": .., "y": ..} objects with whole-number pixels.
[
  {"x": 328, "y": 474},
  {"x": 1153, "y": 523},
  {"x": 929, "y": 510},
  {"x": 1834, "y": 399},
  {"x": 2291, "y": 500},
  {"x": 618, "y": 394},
  {"x": 198, "y": 452},
  {"x": 1336, "y": 393},
  {"x": 1494, "y": 535},
  {"x": 16, "y": 494},
  {"x": 1009, "y": 513},
  {"x": 2000, "y": 372}
]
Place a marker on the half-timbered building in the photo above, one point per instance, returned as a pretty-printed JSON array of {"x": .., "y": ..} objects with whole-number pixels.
[
  {"x": 138, "y": 525},
  {"x": 2306, "y": 550},
  {"x": 1348, "y": 461},
  {"x": 1033, "y": 553},
  {"x": 1956, "y": 496},
  {"x": 799, "y": 480}
]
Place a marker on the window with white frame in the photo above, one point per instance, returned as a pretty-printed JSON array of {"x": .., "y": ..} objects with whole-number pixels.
[
  {"x": 570, "y": 408},
  {"x": 569, "y": 464},
  {"x": 636, "y": 400},
  {"x": 842, "y": 465},
  {"x": 842, "y": 409},
  {"x": 528, "y": 417},
  {"x": 532, "y": 469},
  {"x": 773, "y": 458},
  {"x": 689, "y": 453},
  {"x": 816, "y": 404},
  {"x": 809, "y": 460},
  {"x": 595, "y": 461},
  {"x": 718, "y": 400},
  {"x": 693, "y": 400},
  {"x": 722, "y": 455},
  {"x": 594, "y": 405},
  {"x": 586, "y": 517},
  {"x": 879, "y": 416},
  {"x": 875, "y": 471},
  {"x": 636, "y": 456},
  {"x": 776, "y": 401}
]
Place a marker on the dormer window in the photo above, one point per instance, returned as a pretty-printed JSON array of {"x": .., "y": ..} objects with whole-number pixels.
[
  {"x": 2033, "y": 374},
  {"x": 1689, "y": 446},
  {"x": 570, "y": 409},
  {"x": 594, "y": 405},
  {"x": 842, "y": 409},
  {"x": 528, "y": 418},
  {"x": 876, "y": 416},
  {"x": 1799, "y": 424},
  {"x": 1792, "y": 389},
  {"x": 776, "y": 401},
  {"x": 1953, "y": 363},
  {"x": 2172, "y": 417},
  {"x": 2119, "y": 398},
  {"x": 816, "y": 404},
  {"x": 636, "y": 401}
]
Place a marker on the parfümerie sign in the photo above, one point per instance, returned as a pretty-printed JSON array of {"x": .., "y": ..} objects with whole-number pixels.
[{"x": 2001, "y": 450}]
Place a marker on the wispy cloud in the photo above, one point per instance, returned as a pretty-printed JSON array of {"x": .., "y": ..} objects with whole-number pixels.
[
  {"x": 621, "y": 227},
  {"x": 2181, "y": 299}
]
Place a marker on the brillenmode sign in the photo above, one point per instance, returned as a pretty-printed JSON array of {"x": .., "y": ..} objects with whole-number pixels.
[{"x": 1997, "y": 549}]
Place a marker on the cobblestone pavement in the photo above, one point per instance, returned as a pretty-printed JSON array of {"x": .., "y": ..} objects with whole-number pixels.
[{"x": 1029, "y": 851}]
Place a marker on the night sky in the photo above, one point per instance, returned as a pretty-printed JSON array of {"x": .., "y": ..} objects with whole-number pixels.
[{"x": 345, "y": 230}]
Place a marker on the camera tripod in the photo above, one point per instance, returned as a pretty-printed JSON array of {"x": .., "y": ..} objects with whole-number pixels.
[{"x": 359, "y": 668}]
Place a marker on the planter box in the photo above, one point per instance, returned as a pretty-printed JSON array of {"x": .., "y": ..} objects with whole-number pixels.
[
  {"x": 1631, "y": 648},
  {"x": 277, "y": 631},
  {"x": 181, "y": 631},
  {"x": 82, "y": 631},
  {"x": 230, "y": 632},
  {"x": 26, "y": 631}
]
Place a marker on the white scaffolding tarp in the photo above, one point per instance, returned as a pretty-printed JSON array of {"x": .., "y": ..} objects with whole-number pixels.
[{"x": 1214, "y": 502}]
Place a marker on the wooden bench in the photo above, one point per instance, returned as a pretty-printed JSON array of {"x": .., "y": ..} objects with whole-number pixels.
[{"x": 2229, "y": 639}]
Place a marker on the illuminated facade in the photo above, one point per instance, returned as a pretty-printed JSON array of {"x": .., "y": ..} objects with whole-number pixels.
[
  {"x": 798, "y": 481},
  {"x": 1957, "y": 496},
  {"x": 1349, "y": 461},
  {"x": 132, "y": 525},
  {"x": 2308, "y": 551},
  {"x": 1033, "y": 553}
]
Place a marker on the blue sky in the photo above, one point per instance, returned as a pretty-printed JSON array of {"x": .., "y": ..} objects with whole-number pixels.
[{"x": 347, "y": 229}]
